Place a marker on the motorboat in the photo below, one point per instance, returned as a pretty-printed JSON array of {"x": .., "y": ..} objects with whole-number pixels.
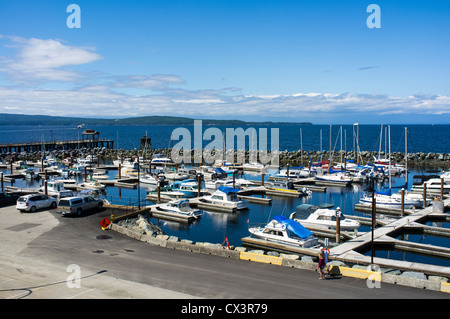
[
  {"x": 189, "y": 188},
  {"x": 168, "y": 192},
  {"x": 175, "y": 176},
  {"x": 335, "y": 178},
  {"x": 433, "y": 186},
  {"x": 446, "y": 176},
  {"x": 285, "y": 231},
  {"x": 294, "y": 172},
  {"x": 30, "y": 174},
  {"x": 394, "y": 201},
  {"x": 176, "y": 208},
  {"x": 323, "y": 217},
  {"x": 92, "y": 185},
  {"x": 99, "y": 176},
  {"x": 159, "y": 159},
  {"x": 226, "y": 197},
  {"x": 253, "y": 166},
  {"x": 55, "y": 188},
  {"x": 238, "y": 182}
]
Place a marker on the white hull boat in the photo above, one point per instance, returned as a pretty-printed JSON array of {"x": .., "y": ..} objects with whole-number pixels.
[
  {"x": 326, "y": 218},
  {"x": 176, "y": 209},
  {"x": 394, "y": 201},
  {"x": 433, "y": 186},
  {"x": 225, "y": 197},
  {"x": 285, "y": 231}
]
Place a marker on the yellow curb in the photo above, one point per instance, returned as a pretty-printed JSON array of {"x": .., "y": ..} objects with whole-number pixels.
[
  {"x": 261, "y": 258},
  {"x": 445, "y": 287},
  {"x": 356, "y": 273}
]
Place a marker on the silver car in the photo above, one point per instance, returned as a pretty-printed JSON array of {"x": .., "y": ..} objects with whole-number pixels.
[{"x": 33, "y": 202}]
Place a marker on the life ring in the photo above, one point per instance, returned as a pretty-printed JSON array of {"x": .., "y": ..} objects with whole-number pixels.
[{"x": 326, "y": 249}]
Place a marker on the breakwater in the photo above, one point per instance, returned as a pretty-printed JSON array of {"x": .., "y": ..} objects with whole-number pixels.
[{"x": 293, "y": 158}]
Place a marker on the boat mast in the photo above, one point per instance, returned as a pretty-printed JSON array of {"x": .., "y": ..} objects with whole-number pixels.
[
  {"x": 390, "y": 176},
  {"x": 406, "y": 157}
]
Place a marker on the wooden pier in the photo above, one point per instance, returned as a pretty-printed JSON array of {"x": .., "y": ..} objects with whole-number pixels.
[{"x": 55, "y": 145}]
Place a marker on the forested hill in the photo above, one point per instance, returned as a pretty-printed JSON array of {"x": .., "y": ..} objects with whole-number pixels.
[{"x": 20, "y": 119}]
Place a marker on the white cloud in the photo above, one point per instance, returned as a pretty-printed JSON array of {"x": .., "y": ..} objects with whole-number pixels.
[{"x": 39, "y": 59}]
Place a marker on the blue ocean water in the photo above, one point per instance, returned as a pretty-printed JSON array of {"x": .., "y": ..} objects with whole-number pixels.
[
  {"x": 421, "y": 138},
  {"x": 216, "y": 227}
]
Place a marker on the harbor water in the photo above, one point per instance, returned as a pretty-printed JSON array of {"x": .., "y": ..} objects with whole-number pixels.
[{"x": 217, "y": 227}]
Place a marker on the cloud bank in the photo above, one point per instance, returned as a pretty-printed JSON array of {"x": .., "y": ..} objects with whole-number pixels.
[{"x": 41, "y": 62}]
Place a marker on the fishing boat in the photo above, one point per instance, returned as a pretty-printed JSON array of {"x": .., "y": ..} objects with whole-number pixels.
[
  {"x": 285, "y": 231},
  {"x": 176, "y": 209},
  {"x": 225, "y": 197},
  {"x": 394, "y": 201},
  {"x": 323, "y": 217}
]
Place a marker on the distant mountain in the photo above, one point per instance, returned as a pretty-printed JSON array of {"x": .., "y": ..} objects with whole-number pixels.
[{"x": 20, "y": 119}]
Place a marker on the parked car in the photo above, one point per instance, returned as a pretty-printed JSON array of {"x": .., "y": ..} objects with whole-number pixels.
[
  {"x": 78, "y": 205},
  {"x": 34, "y": 202},
  {"x": 8, "y": 199}
]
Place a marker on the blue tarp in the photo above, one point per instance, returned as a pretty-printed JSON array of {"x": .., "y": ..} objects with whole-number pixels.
[
  {"x": 227, "y": 189},
  {"x": 388, "y": 192},
  {"x": 294, "y": 226}
]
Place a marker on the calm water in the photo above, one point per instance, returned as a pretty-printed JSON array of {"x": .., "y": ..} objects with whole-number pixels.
[
  {"x": 215, "y": 227},
  {"x": 421, "y": 138}
]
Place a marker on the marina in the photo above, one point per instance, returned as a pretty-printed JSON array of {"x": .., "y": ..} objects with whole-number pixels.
[{"x": 407, "y": 237}]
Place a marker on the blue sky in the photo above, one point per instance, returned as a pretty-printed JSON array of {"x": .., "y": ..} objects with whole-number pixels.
[{"x": 279, "y": 60}]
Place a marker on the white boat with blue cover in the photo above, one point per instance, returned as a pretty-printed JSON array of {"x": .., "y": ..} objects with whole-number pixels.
[{"x": 285, "y": 231}]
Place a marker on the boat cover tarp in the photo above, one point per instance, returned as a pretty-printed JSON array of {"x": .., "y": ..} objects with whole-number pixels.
[
  {"x": 218, "y": 170},
  {"x": 388, "y": 192},
  {"x": 227, "y": 189},
  {"x": 293, "y": 226}
]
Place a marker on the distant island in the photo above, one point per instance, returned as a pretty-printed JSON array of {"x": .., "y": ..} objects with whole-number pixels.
[{"x": 21, "y": 119}]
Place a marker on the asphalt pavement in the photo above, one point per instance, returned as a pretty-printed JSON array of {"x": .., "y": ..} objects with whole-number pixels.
[{"x": 46, "y": 256}]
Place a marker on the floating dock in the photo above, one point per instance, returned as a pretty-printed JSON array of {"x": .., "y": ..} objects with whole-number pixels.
[{"x": 352, "y": 250}]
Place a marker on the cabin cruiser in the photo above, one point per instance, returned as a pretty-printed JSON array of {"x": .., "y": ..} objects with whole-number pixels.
[
  {"x": 323, "y": 217},
  {"x": 92, "y": 185},
  {"x": 394, "y": 201},
  {"x": 225, "y": 196},
  {"x": 189, "y": 188},
  {"x": 294, "y": 172},
  {"x": 55, "y": 188},
  {"x": 167, "y": 192},
  {"x": 176, "y": 208},
  {"x": 338, "y": 178},
  {"x": 159, "y": 159},
  {"x": 285, "y": 231},
  {"x": 99, "y": 176},
  {"x": 433, "y": 186},
  {"x": 238, "y": 182}
]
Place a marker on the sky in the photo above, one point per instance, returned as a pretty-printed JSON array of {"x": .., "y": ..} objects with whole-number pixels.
[{"x": 253, "y": 60}]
